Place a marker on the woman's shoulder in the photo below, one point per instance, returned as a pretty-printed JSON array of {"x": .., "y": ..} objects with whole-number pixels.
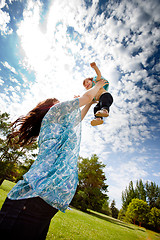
[{"x": 60, "y": 110}]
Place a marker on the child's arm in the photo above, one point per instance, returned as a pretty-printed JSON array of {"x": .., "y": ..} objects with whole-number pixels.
[{"x": 94, "y": 66}]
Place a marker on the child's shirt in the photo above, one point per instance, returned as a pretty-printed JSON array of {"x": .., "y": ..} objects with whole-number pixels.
[{"x": 105, "y": 86}]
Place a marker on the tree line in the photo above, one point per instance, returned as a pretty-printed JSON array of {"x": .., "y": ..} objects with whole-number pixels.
[
  {"x": 141, "y": 204},
  {"x": 148, "y": 192}
]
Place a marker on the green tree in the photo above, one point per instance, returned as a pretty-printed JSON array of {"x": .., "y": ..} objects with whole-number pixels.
[
  {"x": 105, "y": 208},
  {"x": 154, "y": 218},
  {"x": 140, "y": 191},
  {"x": 114, "y": 210},
  {"x": 92, "y": 187},
  {"x": 128, "y": 195},
  {"x": 149, "y": 192},
  {"x": 137, "y": 211},
  {"x": 14, "y": 161},
  {"x": 121, "y": 215},
  {"x": 153, "y": 195}
]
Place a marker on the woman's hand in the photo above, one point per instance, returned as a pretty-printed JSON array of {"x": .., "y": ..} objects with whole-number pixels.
[
  {"x": 101, "y": 83},
  {"x": 88, "y": 96}
]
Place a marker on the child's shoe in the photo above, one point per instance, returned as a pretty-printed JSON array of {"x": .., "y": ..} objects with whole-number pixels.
[
  {"x": 102, "y": 113},
  {"x": 96, "y": 121}
]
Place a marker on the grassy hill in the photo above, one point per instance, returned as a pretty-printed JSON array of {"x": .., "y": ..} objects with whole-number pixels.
[{"x": 76, "y": 225}]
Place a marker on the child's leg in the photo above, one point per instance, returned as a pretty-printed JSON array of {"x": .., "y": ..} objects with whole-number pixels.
[
  {"x": 97, "y": 108},
  {"x": 97, "y": 120},
  {"x": 105, "y": 101}
]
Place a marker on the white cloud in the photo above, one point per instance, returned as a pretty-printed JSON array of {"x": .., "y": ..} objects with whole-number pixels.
[
  {"x": 4, "y": 20},
  {"x": 1, "y": 81},
  {"x": 2, "y": 3},
  {"x": 14, "y": 80},
  {"x": 156, "y": 174},
  {"x": 12, "y": 69}
]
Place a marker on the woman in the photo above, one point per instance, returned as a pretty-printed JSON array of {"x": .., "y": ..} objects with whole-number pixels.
[{"x": 51, "y": 182}]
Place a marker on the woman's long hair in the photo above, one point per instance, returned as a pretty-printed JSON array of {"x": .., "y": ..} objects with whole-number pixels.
[{"x": 25, "y": 129}]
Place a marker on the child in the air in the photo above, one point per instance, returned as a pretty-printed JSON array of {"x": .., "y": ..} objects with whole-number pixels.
[{"x": 103, "y": 97}]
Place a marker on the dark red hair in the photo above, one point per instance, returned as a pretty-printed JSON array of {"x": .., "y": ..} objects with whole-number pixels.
[{"x": 25, "y": 129}]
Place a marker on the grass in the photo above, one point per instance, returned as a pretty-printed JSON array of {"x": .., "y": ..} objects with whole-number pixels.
[
  {"x": 76, "y": 225},
  {"x": 4, "y": 189}
]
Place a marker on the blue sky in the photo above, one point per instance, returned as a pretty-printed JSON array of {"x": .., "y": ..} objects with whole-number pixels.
[{"x": 45, "y": 51}]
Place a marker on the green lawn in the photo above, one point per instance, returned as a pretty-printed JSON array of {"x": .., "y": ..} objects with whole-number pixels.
[{"x": 74, "y": 225}]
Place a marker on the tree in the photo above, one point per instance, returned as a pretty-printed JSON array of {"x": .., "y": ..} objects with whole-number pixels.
[
  {"x": 137, "y": 211},
  {"x": 140, "y": 191},
  {"x": 128, "y": 195},
  {"x": 92, "y": 187},
  {"x": 149, "y": 192},
  {"x": 14, "y": 161},
  {"x": 105, "y": 208},
  {"x": 153, "y": 195},
  {"x": 121, "y": 215},
  {"x": 154, "y": 218},
  {"x": 114, "y": 210}
]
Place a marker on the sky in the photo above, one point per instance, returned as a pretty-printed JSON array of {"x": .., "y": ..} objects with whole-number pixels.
[{"x": 46, "y": 47}]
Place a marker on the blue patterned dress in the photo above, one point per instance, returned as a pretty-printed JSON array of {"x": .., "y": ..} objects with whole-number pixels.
[{"x": 54, "y": 175}]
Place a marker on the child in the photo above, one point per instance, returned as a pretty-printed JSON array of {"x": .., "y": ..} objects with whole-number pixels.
[{"x": 104, "y": 98}]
